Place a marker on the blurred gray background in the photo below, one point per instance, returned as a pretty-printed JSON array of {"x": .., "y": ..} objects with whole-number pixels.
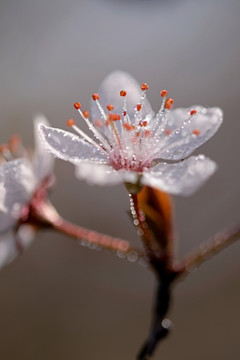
[{"x": 62, "y": 301}]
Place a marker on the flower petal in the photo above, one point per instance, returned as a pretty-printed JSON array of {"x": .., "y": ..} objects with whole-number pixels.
[
  {"x": 186, "y": 136},
  {"x": 12, "y": 244},
  {"x": 8, "y": 249},
  {"x": 109, "y": 93},
  {"x": 17, "y": 185},
  {"x": 43, "y": 161},
  {"x": 69, "y": 147},
  {"x": 183, "y": 178},
  {"x": 97, "y": 174}
]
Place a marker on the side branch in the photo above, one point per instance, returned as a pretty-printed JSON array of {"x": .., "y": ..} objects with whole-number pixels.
[
  {"x": 47, "y": 215},
  {"x": 208, "y": 249}
]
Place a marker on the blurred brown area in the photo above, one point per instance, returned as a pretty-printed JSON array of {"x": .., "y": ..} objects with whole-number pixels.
[{"x": 59, "y": 300}]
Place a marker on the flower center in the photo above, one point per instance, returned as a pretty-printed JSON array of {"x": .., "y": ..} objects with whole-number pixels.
[{"x": 129, "y": 143}]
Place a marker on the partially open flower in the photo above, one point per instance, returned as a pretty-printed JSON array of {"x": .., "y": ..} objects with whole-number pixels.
[
  {"x": 24, "y": 179},
  {"x": 132, "y": 144}
]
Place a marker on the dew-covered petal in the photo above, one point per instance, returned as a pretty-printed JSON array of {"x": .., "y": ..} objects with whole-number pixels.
[
  {"x": 43, "y": 160},
  {"x": 97, "y": 174},
  {"x": 183, "y": 178},
  {"x": 17, "y": 184},
  {"x": 13, "y": 243},
  {"x": 8, "y": 249},
  {"x": 184, "y": 136},
  {"x": 69, "y": 147},
  {"x": 109, "y": 93}
]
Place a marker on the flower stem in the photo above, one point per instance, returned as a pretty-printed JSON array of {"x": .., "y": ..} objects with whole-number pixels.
[{"x": 46, "y": 215}]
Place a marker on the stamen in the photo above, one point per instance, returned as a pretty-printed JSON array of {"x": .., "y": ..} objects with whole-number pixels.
[
  {"x": 160, "y": 113},
  {"x": 127, "y": 126},
  {"x": 77, "y": 105},
  {"x": 96, "y": 133},
  {"x": 86, "y": 114},
  {"x": 98, "y": 123},
  {"x": 71, "y": 123},
  {"x": 110, "y": 107},
  {"x": 144, "y": 87},
  {"x": 169, "y": 103},
  {"x": 196, "y": 132},
  {"x": 168, "y": 132},
  {"x": 114, "y": 117},
  {"x": 163, "y": 93},
  {"x": 193, "y": 112},
  {"x": 95, "y": 96},
  {"x": 123, "y": 93}
]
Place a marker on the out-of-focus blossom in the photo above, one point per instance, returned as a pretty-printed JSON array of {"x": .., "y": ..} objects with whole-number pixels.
[
  {"x": 24, "y": 179},
  {"x": 132, "y": 144}
]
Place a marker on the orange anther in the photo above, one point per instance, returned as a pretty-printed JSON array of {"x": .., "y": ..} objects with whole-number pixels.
[
  {"x": 145, "y": 123},
  {"x": 169, "y": 103},
  {"x": 144, "y": 87},
  {"x": 167, "y": 131},
  {"x": 147, "y": 133},
  {"x": 139, "y": 106},
  {"x": 86, "y": 114},
  {"x": 95, "y": 96},
  {"x": 77, "y": 105},
  {"x": 123, "y": 93},
  {"x": 193, "y": 112},
  {"x": 196, "y": 132},
  {"x": 127, "y": 126},
  {"x": 98, "y": 123},
  {"x": 110, "y": 107},
  {"x": 114, "y": 117},
  {"x": 71, "y": 122},
  {"x": 3, "y": 148},
  {"x": 163, "y": 93}
]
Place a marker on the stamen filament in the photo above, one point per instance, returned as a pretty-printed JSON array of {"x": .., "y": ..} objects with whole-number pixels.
[{"x": 95, "y": 132}]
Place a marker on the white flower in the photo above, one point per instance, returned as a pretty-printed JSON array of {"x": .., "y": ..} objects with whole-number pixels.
[
  {"x": 20, "y": 180},
  {"x": 130, "y": 143}
]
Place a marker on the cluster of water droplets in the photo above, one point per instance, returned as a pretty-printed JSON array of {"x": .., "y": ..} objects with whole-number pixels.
[{"x": 130, "y": 255}]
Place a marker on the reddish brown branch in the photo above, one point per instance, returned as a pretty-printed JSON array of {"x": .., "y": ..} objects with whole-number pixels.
[
  {"x": 208, "y": 249},
  {"x": 47, "y": 214}
]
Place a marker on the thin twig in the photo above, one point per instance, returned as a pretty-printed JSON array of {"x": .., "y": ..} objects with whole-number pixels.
[{"x": 208, "y": 249}]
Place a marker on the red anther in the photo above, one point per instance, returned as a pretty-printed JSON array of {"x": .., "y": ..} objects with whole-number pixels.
[
  {"x": 4, "y": 148},
  {"x": 139, "y": 106},
  {"x": 123, "y": 93},
  {"x": 145, "y": 123},
  {"x": 110, "y": 107},
  {"x": 77, "y": 105},
  {"x": 98, "y": 123},
  {"x": 127, "y": 126},
  {"x": 95, "y": 96},
  {"x": 193, "y": 112},
  {"x": 124, "y": 113},
  {"x": 169, "y": 103},
  {"x": 168, "y": 132},
  {"x": 114, "y": 117},
  {"x": 144, "y": 87},
  {"x": 14, "y": 141},
  {"x": 196, "y": 132},
  {"x": 163, "y": 93},
  {"x": 71, "y": 122},
  {"x": 147, "y": 133},
  {"x": 86, "y": 114}
]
